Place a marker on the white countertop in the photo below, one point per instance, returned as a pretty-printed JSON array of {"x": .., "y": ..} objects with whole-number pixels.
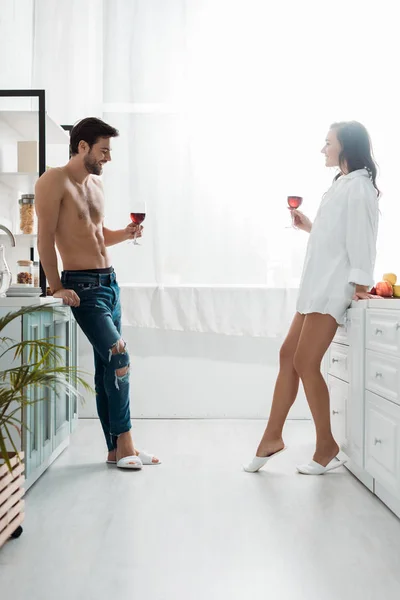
[
  {"x": 390, "y": 303},
  {"x": 28, "y": 301}
]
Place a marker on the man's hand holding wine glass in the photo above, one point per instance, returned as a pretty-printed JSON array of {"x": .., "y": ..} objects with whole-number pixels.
[
  {"x": 138, "y": 215},
  {"x": 133, "y": 231}
]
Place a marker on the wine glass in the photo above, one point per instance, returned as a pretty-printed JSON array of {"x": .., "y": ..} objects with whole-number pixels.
[
  {"x": 138, "y": 215},
  {"x": 293, "y": 203}
]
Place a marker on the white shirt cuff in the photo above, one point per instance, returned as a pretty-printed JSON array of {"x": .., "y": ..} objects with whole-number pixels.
[{"x": 360, "y": 277}]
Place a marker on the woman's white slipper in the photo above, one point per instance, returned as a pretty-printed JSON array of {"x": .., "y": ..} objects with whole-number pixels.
[
  {"x": 147, "y": 459},
  {"x": 259, "y": 461},
  {"x": 130, "y": 462},
  {"x": 314, "y": 468}
]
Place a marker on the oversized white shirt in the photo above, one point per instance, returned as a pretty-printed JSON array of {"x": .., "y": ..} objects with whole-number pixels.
[{"x": 341, "y": 250}]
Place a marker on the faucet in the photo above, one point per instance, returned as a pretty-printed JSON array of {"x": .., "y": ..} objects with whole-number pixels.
[{"x": 10, "y": 235}]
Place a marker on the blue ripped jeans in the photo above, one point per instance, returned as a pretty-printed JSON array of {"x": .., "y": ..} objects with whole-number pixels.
[{"x": 99, "y": 317}]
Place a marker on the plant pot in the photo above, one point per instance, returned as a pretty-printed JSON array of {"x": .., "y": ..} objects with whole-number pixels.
[{"x": 11, "y": 493}]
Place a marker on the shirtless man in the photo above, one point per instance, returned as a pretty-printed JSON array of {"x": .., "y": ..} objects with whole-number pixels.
[{"x": 70, "y": 209}]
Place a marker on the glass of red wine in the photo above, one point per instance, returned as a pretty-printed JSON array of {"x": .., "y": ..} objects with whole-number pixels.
[
  {"x": 293, "y": 203},
  {"x": 138, "y": 215}
]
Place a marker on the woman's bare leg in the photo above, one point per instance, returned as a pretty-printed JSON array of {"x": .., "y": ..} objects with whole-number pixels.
[
  {"x": 286, "y": 387},
  {"x": 316, "y": 335}
]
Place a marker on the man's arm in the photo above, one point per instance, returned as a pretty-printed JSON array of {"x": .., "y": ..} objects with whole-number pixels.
[
  {"x": 48, "y": 196},
  {"x": 112, "y": 237}
]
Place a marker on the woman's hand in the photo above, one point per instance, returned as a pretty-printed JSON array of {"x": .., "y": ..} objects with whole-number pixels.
[
  {"x": 361, "y": 293},
  {"x": 301, "y": 221}
]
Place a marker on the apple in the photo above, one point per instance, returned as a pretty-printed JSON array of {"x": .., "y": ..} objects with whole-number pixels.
[
  {"x": 384, "y": 289},
  {"x": 373, "y": 291},
  {"x": 390, "y": 277}
]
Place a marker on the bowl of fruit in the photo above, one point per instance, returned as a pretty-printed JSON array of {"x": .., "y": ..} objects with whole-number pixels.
[{"x": 387, "y": 288}]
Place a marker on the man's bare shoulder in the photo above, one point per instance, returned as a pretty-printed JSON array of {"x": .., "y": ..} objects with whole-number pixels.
[{"x": 56, "y": 176}]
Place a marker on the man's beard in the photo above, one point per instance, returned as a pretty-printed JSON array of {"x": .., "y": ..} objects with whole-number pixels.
[{"x": 92, "y": 166}]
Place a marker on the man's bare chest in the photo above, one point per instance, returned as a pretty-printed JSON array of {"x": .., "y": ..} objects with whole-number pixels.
[{"x": 84, "y": 204}]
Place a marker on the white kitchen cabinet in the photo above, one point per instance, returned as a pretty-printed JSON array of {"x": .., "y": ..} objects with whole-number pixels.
[
  {"x": 383, "y": 330},
  {"x": 382, "y": 375},
  {"x": 338, "y": 361},
  {"x": 382, "y": 441},
  {"x": 342, "y": 334},
  {"x": 338, "y": 392},
  {"x": 362, "y": 368},
  {"x": 355, "y": 401}
]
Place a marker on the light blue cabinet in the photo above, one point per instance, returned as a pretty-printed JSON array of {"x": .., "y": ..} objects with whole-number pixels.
[
  {"x": 62, "y": 409},
  {"x": 32, "y": 418},
  {"x": 52, "y": 415}
]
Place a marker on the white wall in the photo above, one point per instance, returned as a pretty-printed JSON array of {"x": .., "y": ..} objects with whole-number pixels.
[
  {"x": 16, "y": 36},
  {"x": 197, "y": 375},
  {"x": 173, "y": 374}
]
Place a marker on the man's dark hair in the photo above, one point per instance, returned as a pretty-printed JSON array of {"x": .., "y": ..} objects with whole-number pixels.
[{"x": 90, "y": 130}]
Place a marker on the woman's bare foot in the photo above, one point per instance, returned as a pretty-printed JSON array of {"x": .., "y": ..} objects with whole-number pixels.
[
  {"x": 326, "y": 452},
  {"x": 269, "y": 447}
]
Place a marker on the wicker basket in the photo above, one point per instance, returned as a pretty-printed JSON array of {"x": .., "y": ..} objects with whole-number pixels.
[{"x": 11, "y": 503}]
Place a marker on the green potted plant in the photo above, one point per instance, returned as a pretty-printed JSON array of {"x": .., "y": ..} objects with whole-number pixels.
[{"x": 36, "y": 363}]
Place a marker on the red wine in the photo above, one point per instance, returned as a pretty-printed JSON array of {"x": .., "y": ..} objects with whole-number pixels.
[
  {"x": 294, "y": 201},
  {"x": 138, "y": 218}
]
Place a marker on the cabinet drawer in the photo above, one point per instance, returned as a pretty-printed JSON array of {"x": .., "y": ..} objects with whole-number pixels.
[
  {"x": 338, "y": 393},
  {"x": 383, "y": 330},
  {"x": 382, "y": 375},
  {"x": 342, "y": 333},
  {"x": 382, "y": 441},
  {"x": 338, "y": 359}
]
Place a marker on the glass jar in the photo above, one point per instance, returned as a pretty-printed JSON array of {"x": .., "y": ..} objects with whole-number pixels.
[
  {"x": 27, "y": 213},
  {"x": 36, "y": 278},
  {"x": 5, "y": 273},
  {"x": 25, "y": 272}
]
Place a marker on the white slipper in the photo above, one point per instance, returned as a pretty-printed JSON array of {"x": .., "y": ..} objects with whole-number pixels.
[
  {"x": 314, "y": 468},
  {"x": 147, "y": 459},
  {"x": 130, "y": 462},
  {"x": 111, "y": 462},
  {"x": 259, "y": 461}
]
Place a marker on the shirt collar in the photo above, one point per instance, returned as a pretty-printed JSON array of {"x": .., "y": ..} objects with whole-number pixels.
[{"x": 357, "y": 173}]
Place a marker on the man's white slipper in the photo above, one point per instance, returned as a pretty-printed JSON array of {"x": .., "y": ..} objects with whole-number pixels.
[
  {"x": 259, "y": 461},
  {"x": 314, "y": 468},
  {"x": 147, "y": 459},
  {"x": 130, "y": 462}
]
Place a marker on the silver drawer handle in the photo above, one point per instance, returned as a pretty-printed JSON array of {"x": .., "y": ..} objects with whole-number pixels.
[
  {"x": 376, "y": 441},
  {"x": 378, "y": 375},
  {"x": 335, "y": 412},
  {"x": 334, "y": 360},
  {"x": 397, "y": 325},
  {"x": 378, "y": 331}
]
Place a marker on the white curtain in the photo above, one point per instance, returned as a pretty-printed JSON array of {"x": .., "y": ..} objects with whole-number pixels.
[{"x": 223, "y": 106}]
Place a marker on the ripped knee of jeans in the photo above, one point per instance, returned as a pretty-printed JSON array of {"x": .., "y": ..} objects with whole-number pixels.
[
  {"x": 119, "y": 361},
  {"x": 118, "y": 348}
]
